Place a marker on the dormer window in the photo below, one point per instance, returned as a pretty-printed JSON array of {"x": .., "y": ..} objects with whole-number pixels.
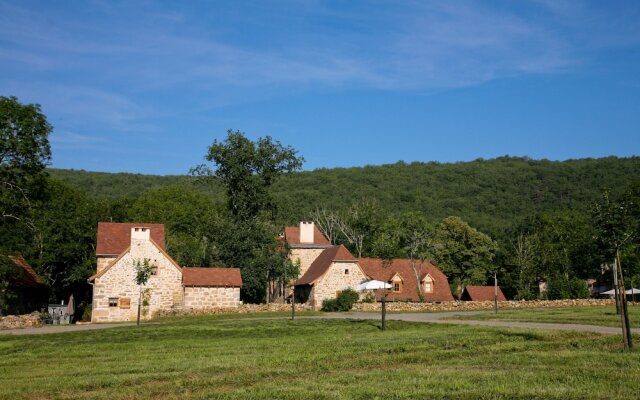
[
  {"x": 428, "y": 284},
  {"x": 396, "y": 283}
]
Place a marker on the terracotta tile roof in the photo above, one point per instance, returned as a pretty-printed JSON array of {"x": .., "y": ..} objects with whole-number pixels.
[
  {"x": 292, "y": 236},
  {"x": 481, "y": 293},
  {"x": 196, "y": 276},
  {"x": 322, "y": 263},
  {"x": 114, "y": 238},
  {"x": 374, "y": 268},
  {"x": 27, "y": 277}
]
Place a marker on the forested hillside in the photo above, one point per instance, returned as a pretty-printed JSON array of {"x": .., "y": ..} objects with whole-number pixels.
[{"x": 490, "y": 194}]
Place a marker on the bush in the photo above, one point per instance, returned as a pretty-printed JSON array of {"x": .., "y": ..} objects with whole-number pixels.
[
  {"x": 86, "y": 314},
  {"x": 561, "y": 287},
  {"x": 343, "y": 302}
]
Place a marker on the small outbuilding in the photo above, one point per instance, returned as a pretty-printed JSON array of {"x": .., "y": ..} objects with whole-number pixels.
[
  {"x": 28, "y": 290},
  {"x": 481, "y": 293}
]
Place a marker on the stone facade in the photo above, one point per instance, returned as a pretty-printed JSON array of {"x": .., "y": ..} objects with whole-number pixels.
[
  {"x": 335, "y": 280},
  {"x": 306, "y": 257},
  {"x": 104, "y": 261},
  {"x": 200, "y": 297},
  {"x": 116, "y": 295}
]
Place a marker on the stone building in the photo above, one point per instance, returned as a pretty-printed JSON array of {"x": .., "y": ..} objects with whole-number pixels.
[
  {"x": 326, "y": 270},
  {"x": 333, "y": 271},
  {"x": 116, "y": 295},
  {"x": 433, "y": 283},
  {"x": 305, "y": 243}
]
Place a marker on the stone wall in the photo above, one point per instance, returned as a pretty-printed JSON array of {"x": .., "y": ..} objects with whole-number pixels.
[
  {"x": 210, "y": 297},
  {"x": 241, "y": 309},
  {"x": 479, "y": 305},
  {"x": 336, "y": 280},
  {"x": 306, "y": 257},
  {"x": 164, "y": 289},
  {"x": 104, "y": 262},
  {"x": 33, "y": 320}
]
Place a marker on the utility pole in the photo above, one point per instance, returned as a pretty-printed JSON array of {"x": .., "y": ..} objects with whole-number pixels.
[{"x": 293, "y": 303}]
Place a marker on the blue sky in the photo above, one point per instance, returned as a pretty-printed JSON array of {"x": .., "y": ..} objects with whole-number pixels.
[{"x": 146, "y": 86}]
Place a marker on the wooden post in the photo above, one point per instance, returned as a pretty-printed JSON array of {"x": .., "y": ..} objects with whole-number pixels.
[
  {"x": 293, "y": 303},
  {"x": 384, "y": 308},
  {"x": 616, "y": 291},
  {"x": 139, "y": 303},
  {"x": 626, "y": 328},
  {"x": 495, "y": 291}
]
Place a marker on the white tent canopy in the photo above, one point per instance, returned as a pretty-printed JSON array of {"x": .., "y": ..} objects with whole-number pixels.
[
  {"x": 373, "y": 284},
  {"x": 629, "y": 291}
]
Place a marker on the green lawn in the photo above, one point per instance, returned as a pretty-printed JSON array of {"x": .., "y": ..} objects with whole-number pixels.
[
  {"x": 597, "y": 315},
  {"x": 208, "y": 357}
]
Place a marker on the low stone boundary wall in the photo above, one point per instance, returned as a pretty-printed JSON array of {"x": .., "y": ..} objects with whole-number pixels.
[
  {"x": 33, "y": 320},
  {"x": 391, "y": 306},
  {"x": 242, "y": 309},
  {"x": 480, "y": 305}
]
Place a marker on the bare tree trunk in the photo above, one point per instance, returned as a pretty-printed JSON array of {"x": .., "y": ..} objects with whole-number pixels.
[{"x": 626, "y": 328}]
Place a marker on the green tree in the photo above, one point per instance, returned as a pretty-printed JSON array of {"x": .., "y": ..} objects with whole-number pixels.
[
  {"x": 248, "y": 170},
  {"x": 24, "y": 153},
  {"x": 464, "y": 253},
  {"x": 192, "y": 220},
  {"x": 143, "y": 272}
]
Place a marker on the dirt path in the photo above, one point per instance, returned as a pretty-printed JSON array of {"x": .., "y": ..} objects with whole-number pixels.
[
  {"x": 435, "y": 318},
  {"x": 439, "y": 318},
  {"x": 61, "y": 329}
]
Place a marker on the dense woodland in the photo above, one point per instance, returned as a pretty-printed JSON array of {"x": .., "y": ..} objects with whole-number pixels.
[{"x": 526, "y": 220}]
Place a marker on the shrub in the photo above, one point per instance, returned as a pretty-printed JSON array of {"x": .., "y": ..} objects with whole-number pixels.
[
  {"x": 86, "y": 314},
  {"x": 343, "y": 302},
  {"x": 561, "y": 287}
]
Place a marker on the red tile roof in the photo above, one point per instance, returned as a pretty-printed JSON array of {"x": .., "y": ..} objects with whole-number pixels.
[
  {"x": 196, "y": 276},
  {"x": 322, "y": 263},
  {"x": 114, "y": 238},
  {"x": 481, "y": 293},
  {"x": 292, "y": 236},
  {"x": 375, "y": 269},
  {"x": 27, "y": 277}
]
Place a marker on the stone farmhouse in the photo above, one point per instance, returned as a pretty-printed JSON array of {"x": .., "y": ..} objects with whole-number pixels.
[
  {"x": 120, "y": 246},
  {"x": 326, "y": 270}
]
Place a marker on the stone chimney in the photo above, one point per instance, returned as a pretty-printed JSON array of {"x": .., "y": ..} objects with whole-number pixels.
[
  {"x": 306, "y": 232},
  {"x": 140, "y": 233}
]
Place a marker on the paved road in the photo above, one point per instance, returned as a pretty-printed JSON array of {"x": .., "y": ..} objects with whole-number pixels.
[
  {"x": 439, "y": 318},
  {"x": 61, "y": 328},
  {"x": 436, "y": 318}
]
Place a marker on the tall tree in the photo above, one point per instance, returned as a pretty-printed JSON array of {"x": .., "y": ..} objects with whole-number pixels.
[
  {"x": 463, "y": 252},
  {"x": 248, "y": 170},
  {"x": 24, "y": 153}
]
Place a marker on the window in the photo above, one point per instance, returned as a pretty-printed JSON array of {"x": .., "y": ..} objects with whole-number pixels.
[
  {"x": 346, "y": 271},
  {"x": 396, "y": 286},
  {"x": 125, "y": 302},
  {"x": 428, "y": 284},
  {"x": 113, "y": 302},
  {"x": 154, "y": 270}
]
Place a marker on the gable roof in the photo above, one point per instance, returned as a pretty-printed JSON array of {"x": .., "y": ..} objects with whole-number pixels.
[
  {"x": 114, "y": 262},
  {"x": 114, "y": 237},
  {"x": 375, "y": 269},
  {"x": 322, "y": 263},
  {"x": 292, "y": 236},
  {"x": 197, "y": 276},
  {"x": 481, "y": 293},
  {"x": 27, "y": 277}
]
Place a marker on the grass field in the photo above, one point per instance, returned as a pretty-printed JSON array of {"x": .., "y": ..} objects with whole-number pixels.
[
  {"x": 209, "y": 357},
  {"x": 604, "y": 316}
]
